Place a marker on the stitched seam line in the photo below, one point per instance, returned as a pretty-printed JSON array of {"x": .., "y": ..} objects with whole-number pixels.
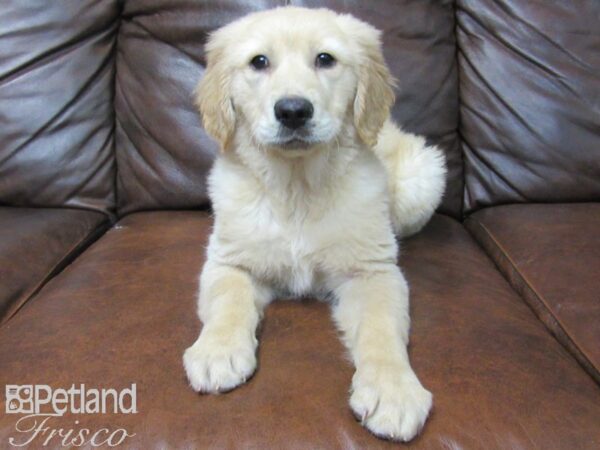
[{"x": 530, "y": 295}]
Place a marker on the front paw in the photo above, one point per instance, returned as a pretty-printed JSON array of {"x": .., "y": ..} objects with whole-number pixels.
[
  {"x": 390, "y": 401},
  {"x": 219, "y": 365}
]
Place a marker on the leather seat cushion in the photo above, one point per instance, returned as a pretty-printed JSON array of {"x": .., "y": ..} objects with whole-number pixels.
[
  {"x": 551, "y": 255},
  {"x": 37, "y": 243},
  {"x": 125, "y": 311}
]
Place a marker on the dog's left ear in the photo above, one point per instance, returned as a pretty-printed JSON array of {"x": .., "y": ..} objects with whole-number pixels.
[
  {"x": 375, "y": 93},
  {"x": 212, "y": 94}
]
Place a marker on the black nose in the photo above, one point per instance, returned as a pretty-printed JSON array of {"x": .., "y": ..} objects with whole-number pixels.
[{"x": 293, "y": 112}]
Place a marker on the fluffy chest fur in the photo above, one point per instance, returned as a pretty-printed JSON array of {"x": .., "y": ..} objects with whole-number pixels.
[{"x": 299, "y": 235}]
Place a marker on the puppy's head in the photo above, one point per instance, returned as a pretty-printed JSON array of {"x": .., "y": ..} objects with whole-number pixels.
[{"x": 294, "y": 79}]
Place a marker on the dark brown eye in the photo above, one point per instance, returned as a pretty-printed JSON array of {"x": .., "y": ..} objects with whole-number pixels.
[
  {"x": 324, "y": 60},
  {"x": 260, "y": 62}
]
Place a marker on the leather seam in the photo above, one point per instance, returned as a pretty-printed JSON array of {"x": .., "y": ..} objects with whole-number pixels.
[
  {"x": 459, "y": 135},
  {"x": 579, "y": 354},
  {"x": 74, "y": 251}
]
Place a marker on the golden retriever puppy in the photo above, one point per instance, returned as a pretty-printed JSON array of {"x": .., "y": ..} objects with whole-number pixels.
[{"x": 311, "y": 185}]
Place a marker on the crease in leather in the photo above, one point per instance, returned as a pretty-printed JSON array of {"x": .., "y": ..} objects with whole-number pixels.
[
  {"x": 155, "y": 137},
  {"x": 459, "y": 136},
  {"x": 59, "y": 78},
  {"x": 69, "y": 256},
  {"x": 530, "y": 295},
  {"x": 544, "y": 36},
  {"x": 495, "y": 92},
  {"x": 98, "y": 166},
  {"x": 115, "y": 174},
  {"x": 132, "y": 205},
  {"x": 479, "y": 159},
  {"x": 53, "y": 54},
  {"x": 479, "y": 156},
  {"x": 164, "y": 42},
  {"x": 545, "y": 52},
  {"x": 99, "y": 163},
  {"x": 529, "y": 58},
  {"x": 83, "y": 89},
  {"x": 429, "y": 100}
]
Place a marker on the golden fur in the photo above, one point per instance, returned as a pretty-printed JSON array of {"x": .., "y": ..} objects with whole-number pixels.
[{"x": 315, "y": 219}]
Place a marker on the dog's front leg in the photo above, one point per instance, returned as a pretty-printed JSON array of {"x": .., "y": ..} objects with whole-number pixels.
[
  {"x": 372, "y": 313},
  {"x": 230, "y": 306}
]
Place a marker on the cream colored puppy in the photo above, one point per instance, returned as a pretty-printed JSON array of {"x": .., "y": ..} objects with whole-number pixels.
[{"x": 311, "y": 184}]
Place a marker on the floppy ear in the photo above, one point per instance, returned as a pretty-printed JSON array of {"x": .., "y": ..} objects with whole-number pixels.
[
  {"x": 374, "y": 94},
  {"x": 212, "y": 95}
]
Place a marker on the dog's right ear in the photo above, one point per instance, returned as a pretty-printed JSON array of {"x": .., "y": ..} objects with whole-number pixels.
[{"x": 212, "y": 95}]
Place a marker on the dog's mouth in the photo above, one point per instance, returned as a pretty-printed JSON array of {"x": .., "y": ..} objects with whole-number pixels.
[
  {"x": 295, "y": 144},
  {"x": 296, "y": 140}
]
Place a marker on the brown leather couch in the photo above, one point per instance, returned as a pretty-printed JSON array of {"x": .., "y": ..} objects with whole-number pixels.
[{"x": 104, "y": 218}]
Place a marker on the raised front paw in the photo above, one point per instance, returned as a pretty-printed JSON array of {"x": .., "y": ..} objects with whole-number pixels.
[
  {"x": 219, "y": 365},
  {"x": 390, "y": 402}
]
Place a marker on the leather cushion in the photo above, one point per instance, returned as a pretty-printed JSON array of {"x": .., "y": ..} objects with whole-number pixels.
[
  {"x": 529, "y": 75},
  {"x": 37, "y": 243},
  {"x": 551, "y": 256},
  {"x": 125, "y": 310},
  {"x": 56, "y": 103},
  {"x": 162, "y": 150}
]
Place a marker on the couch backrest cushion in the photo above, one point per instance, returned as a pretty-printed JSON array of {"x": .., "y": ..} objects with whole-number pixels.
[
  {"x": 163, "y": 153},
  {"x": 56, "y": 110},
  {"x": 530, "y": 100}
]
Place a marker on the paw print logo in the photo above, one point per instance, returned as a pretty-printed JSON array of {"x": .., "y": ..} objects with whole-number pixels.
[{"x": 19, "y": 399}]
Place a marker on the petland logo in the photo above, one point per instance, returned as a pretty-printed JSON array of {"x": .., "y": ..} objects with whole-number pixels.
[{"x": 40, "y": 403}]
